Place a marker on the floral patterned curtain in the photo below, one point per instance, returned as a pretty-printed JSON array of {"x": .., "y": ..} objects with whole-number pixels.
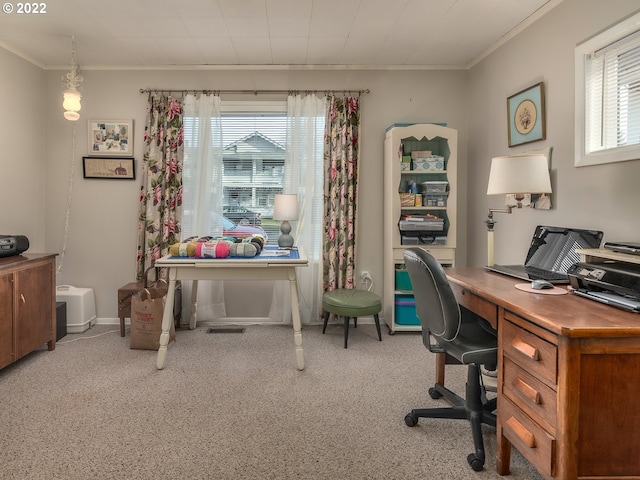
[
  {"x": 341, "y": 154},
  {"x": 159, "y": 221}
]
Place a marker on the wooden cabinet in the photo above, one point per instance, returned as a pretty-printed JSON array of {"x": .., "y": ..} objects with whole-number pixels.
[
  {"x": 27, "y": 305},
  {"x": 6, "y": 319},
  {"x": 399, "y": 144}
]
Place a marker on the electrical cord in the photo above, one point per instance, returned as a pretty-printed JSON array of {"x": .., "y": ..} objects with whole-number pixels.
[
  {"x": 86, "y": 338},
  {"x": 369, "y": 281},
  {"x": 68, "y": 214}
]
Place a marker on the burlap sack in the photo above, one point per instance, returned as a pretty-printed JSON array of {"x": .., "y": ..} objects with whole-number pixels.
[{"x": 147, "y": 308}]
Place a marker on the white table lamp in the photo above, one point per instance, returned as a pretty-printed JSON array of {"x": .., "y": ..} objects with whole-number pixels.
[
  {"x": 285, "y": 208},
  {"x": 515, "y": 175}
]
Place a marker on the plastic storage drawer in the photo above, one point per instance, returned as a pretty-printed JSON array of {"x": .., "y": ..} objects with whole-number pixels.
[{"x": 405, "y": 310}]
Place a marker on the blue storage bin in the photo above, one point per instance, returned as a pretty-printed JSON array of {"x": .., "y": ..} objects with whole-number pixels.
[
  {"x": 403, "y": 282},
  {"x": 405, "y": 310}
]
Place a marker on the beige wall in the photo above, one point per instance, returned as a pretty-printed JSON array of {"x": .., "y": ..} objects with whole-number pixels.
[
  {"x": 35, "y": 166},
  {"x": 22, "y": 156},
  {"x": 604, "y": 197},
  {"x": 102, "y": 237}
]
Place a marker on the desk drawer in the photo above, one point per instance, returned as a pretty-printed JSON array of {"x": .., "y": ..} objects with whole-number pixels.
[
  {"x": 532, "y": 396},
  {"x": 532, "y": 353},
  {"x": 478, "y": 305},
  {"x": 528, "y": 437}
]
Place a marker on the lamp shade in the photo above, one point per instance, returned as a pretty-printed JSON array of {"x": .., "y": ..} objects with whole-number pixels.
[
  {"x": 285, "y": 206},
  {"x": 513, "y": 175},
  {"x": 71, "y": 104}
]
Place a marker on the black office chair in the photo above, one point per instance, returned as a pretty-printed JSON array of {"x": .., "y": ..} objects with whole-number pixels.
[{"x": 460, "y": 334}]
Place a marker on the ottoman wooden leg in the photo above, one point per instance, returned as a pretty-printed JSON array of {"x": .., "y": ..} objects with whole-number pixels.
[
  {"x": 326, "y": 319},
  {"x": 346, "y": 331}
]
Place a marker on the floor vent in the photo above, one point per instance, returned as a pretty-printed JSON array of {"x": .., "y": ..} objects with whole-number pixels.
[{"x": 226, "y": 330}]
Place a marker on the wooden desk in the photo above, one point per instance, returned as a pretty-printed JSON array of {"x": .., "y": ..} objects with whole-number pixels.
[
  {"x": 568, "y": 378},
  {"x": 258, "y": 268}
]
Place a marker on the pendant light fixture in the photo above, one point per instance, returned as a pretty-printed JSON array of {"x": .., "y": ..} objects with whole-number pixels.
[{"x": 72, "y": 81}]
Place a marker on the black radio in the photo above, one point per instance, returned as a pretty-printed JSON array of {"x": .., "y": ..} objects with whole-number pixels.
[{"x": 13, "y": 245}]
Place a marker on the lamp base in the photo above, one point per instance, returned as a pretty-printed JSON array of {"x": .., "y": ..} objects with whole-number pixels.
[
  {"x": 490, "y": 222},
  {"x": 285, "y": 240}
]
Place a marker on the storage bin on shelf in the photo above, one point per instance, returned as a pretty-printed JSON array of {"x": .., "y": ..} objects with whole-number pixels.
[
  {"x": 423, "y": 240},
  {"x": 403, "y": 282},
  {"x": 405, "y": 310},
  {"x": 432, "y": 163},
  {"x": 407, "y": 199},
  {"x": 434, "y": 199},
  {"x": 427, "y": 229},
  {"x": 434, "y": 186}
]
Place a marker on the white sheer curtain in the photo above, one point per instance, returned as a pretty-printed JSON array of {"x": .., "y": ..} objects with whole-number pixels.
[
  {"x": 304, "y": 176},
  {"x": 202, "y": 192}
]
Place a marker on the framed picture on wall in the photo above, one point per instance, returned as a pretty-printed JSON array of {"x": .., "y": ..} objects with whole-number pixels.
[
  {"x": 525, "y": 116},
  {"x": 114, "y": 168},
  {"x": 110, "y": 137}
]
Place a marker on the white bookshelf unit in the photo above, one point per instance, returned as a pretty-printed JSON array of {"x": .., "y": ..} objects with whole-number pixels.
[{"x": 400, "y": 141}]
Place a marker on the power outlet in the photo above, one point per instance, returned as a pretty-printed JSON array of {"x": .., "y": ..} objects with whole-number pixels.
[{"x": 365, "y": 276}]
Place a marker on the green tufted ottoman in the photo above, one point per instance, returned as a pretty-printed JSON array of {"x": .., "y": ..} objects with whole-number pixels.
[{"x": 351, "y": 303}]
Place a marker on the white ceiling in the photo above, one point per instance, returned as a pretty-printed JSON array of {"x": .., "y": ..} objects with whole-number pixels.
[{"x": 162, "y": 33}]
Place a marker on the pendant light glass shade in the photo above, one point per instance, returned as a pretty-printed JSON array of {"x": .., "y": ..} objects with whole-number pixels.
[
  {"x": 72, "y": 81},
  {"x": 71, "y": 104}
]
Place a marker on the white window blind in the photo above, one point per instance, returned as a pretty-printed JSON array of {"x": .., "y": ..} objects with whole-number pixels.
[
  {"x": 608, "y": 95},
  {"x": 253, "y": 157}
]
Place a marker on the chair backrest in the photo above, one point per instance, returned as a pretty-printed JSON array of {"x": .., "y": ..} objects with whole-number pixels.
[{"x": 436, "y": 305}]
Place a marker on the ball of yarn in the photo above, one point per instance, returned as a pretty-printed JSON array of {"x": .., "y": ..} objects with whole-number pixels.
[
  {"x": 242, "y": 250},
  {"x": 212, "y": 250},
  {"x": 183, "y": 249}
]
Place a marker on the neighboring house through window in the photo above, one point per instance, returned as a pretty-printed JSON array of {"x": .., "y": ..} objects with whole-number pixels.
[
  {"x": 253, "y": 156},
  {"x": 253, "y": 172}
]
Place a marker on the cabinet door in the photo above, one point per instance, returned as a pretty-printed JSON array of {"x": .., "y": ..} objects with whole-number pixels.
[
  {"x": 34, "y": 308},
  {"x": 6, "y": 320}
]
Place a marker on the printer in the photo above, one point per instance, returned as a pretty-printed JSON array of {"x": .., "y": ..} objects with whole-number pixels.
[{"x": 613, "y": 283}]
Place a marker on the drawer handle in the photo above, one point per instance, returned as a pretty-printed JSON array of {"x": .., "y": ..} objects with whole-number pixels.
[
  {"x": 22, "y": 298},
  {"x": 526, "y": 349},
  {"x": 528, "y": 391},
  {"x": 523, "y": 434}
]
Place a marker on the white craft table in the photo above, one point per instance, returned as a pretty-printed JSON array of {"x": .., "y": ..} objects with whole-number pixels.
[{"x": 266, "y": 266}]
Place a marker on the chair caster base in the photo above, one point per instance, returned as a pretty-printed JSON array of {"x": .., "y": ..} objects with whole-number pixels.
[
  {"x": 435, "y": 394},
  {"x": 410, "y": 420},
  {"x": 476, "y": 464}
]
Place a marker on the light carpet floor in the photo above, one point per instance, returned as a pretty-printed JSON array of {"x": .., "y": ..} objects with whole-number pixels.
[{"x": 234, "y": 406}]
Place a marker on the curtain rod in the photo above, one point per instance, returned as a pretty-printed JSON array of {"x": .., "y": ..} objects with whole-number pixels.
[{"x": 254, "y": 92}]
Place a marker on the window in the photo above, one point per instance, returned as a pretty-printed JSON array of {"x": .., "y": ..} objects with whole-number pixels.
[
  {"x": 607, "y": 90},
  {"x": 253, "y": 156}
]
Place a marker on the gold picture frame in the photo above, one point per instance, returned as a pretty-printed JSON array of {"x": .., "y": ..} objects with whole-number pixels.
[
  {"x": 526, "y": 116},
  {"x": 110, "y": 137},
  {"x": 113, "y": 168}
]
